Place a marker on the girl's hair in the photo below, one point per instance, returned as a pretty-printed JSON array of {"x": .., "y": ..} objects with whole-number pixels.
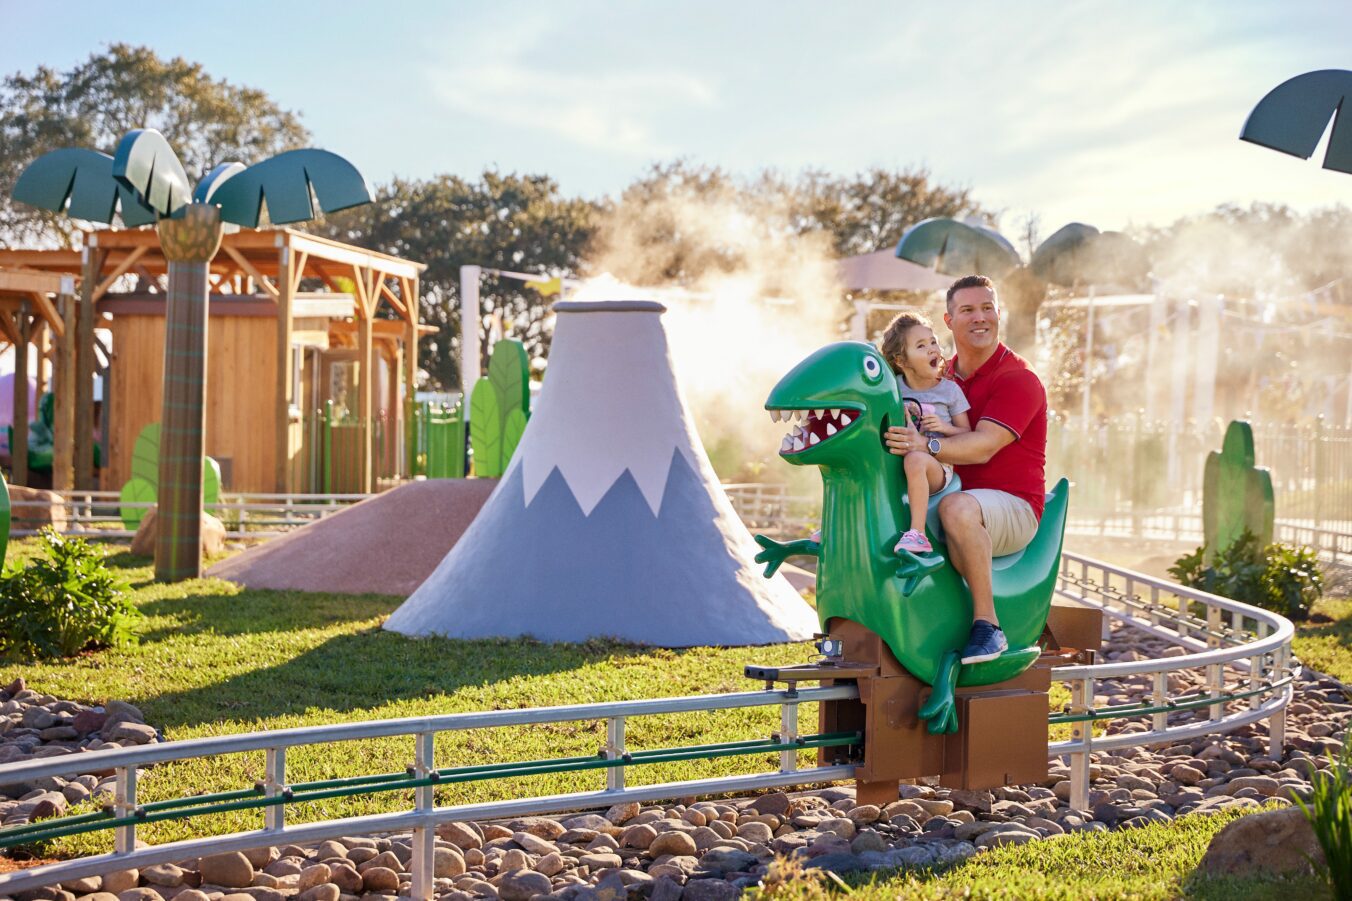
[{"x": 893, "y": 343}]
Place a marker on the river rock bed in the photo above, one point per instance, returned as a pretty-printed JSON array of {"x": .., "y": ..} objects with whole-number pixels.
[
  {"x": 35, "y": 725},
  {"x": 711, "y": 850}
]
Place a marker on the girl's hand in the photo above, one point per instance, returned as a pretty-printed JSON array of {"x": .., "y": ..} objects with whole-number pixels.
[{"x": 932, "y": 423}]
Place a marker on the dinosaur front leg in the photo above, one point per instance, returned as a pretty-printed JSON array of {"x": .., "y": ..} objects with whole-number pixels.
[
  {"x": 913, "y": 567},
  {"x": 776, "y": 552},
  {"x": 940, "y": 712}
]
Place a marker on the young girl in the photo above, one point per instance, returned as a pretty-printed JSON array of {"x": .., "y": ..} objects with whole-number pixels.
[{"x": 936, "y": 406}]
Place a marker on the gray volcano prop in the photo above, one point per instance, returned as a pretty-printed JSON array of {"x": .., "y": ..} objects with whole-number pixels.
[{"x": 609, "y": 520}]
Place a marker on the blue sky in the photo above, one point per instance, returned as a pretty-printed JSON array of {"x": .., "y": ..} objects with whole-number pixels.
[{"x": 1109, "y": 113}]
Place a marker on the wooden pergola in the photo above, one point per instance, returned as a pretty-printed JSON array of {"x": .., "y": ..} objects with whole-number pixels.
[
  {"x": 268, "y": 262},
  {"x": 31, "y": 305}
]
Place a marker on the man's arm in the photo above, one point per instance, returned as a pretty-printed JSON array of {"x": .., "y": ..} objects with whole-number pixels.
[{"x": 976, "y": 446}]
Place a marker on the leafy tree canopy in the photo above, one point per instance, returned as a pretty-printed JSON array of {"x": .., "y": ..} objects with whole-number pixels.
[
  {"x": 94, "y": 103},
  {"x": 512, "y": 222}
]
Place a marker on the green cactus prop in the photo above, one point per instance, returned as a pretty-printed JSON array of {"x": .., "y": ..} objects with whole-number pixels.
[
  {"x": 503, "y": 397},
  {"x": 485, "y": 429},
  {"x": 1236, "y": 495},
  {"x": 144, "y": 485}
]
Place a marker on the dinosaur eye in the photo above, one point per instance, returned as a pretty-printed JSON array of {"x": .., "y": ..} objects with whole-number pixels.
[{"x": 873, "y": 370}]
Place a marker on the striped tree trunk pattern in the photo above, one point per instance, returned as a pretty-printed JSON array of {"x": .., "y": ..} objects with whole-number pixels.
[{"x": 189, "y": 244}]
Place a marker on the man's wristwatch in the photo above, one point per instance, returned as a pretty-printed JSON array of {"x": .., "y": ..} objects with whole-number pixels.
[{"x": 933, "y": 446}]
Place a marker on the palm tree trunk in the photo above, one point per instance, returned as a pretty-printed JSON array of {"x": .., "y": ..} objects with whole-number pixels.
[{"x": 189, "y": 243}]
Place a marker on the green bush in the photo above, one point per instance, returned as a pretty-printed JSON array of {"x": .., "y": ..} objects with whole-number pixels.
[
  {"x": 1330, "y": 814},
  {"x": 62, "y": 602},
  {"x": 1283, "y": 578}
]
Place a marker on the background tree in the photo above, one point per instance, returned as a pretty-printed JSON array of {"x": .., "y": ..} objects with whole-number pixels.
[
  {"x": 512, "y": 222},
  {"x": 113, "y": 92}
]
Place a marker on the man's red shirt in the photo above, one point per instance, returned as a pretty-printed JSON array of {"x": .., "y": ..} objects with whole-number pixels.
[{"x": 1006, "y": 391}]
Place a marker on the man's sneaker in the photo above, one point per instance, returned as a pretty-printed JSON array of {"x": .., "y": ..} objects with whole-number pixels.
[
  {"x": 986, "y": 643},
  {"x": 915, "y": 542}
]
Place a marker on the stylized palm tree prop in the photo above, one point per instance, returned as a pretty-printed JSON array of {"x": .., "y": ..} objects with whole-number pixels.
[
  {"x": 145, "y": 182},
  {"x": 1075, "y": 254},
  {"x": 1293, "y": 115}
]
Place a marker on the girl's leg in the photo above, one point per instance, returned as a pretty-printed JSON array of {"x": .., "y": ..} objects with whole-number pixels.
[{"x": 924, "y": 475}]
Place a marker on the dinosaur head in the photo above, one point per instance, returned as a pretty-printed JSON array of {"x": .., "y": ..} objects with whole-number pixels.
[{"x": 838, "y": 401}]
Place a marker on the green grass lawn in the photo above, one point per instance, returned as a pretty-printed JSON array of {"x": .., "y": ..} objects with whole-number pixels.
[{"x": 216, "y": 659}]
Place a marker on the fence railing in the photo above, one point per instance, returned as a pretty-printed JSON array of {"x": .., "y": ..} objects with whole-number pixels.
[
  {"x": 1241, "y": 654},
  {"x": 1130, "y": 462},
  {"x": 96, "y": 514}
]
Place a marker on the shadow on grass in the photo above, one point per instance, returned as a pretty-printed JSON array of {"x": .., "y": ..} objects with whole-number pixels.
[
  {"x": 255, "y": 611},
  {"x": 372, "y": 669}
]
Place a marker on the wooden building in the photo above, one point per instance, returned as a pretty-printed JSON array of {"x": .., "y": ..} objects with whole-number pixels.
[
  {"x": 295, "y": 321},
  {"x": 32, "y": 313}
]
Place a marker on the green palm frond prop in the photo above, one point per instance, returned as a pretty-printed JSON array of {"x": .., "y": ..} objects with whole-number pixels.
[
  {"x": 1081, "y": 254},
  {"x": 80, "y": 183},
  {"x": 207, "y": 187},
  {"x": 146, "y": 164},
  {"x": 285, "y": 183},
  {"x": 1293, "y": 116},
  {"x": 955, "y": 248}
]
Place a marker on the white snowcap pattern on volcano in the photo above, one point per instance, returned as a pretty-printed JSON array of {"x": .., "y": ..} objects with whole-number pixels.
[{"x": 609, "y": 404}]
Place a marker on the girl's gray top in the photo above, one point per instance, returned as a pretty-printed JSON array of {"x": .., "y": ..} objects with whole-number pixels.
[{"x": 945, "y": 399}]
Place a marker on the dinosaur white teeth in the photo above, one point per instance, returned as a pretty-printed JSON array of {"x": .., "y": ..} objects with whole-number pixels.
[
  {"x": 797, "y": 431},
  {"x": 845, "y": 420},
  {"x": 813, "y": 439},
  {"x": 830, "y": 430},
  {"x": 785, "y": 445},
  {"x": 798, "y": 444},
  {"x": 774, "y": 416},
  {"x": 818, "y": 413}
]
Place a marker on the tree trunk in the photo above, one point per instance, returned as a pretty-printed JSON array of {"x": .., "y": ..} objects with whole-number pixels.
[{"x": 189, "y": 243}]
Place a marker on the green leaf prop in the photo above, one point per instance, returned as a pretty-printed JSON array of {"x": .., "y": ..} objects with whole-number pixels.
[
  {"x": 145, "y": 455},
  {"x": 136, "y": 491},
  {"x": 211, "y": 481},
  {"x": 509, "y": 371},
  {"x": 485, "y": 429},
  {"x": 512, "y": 430}
]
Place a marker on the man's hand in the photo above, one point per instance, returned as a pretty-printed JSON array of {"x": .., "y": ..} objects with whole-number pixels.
[{"x": 901, "y": 440}]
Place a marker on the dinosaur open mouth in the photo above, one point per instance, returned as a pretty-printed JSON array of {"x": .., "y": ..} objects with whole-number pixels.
[{"x": 818, "y": 425}]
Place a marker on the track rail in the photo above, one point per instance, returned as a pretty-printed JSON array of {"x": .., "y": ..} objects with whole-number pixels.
[{"x": 1243, "y": 652}]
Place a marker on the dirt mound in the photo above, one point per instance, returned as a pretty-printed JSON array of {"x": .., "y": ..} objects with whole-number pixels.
[{"x": 387, "y": 544}]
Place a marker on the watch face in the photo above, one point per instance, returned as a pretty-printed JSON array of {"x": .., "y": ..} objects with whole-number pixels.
[{"x": 934, "y": 445}]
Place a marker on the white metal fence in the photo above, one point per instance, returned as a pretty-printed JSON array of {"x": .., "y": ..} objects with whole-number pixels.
[{"x": 1244, "y": 654}]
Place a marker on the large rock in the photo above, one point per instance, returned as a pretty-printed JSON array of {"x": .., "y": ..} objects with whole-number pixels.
[
  {"x": 212, "y": 531},
  {"x": 1267, "y": 843},
  {"x": 50, "y": 510}
]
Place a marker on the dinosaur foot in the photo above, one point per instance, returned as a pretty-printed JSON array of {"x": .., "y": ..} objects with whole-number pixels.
[
  {"x": 1008, "y": 665},
  {"x": 940, "y": 712},
  {"x": 913, "y": 567}
]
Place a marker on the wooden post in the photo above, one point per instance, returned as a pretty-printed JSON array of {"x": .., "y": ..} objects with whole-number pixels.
[
  {"x": 365, "y": 397},
  {"x": 410, "y": 291},
  {"x": 42, "y": 375},
  {"x": 63, "y": 379},
  {"x": 285, "y": 297},
  {"x": 90, "y": 275},
  {"x": 18, "y": 448}
]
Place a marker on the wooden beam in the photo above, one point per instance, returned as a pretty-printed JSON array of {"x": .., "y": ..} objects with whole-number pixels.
[
  {"x": 365, "y": 397},
  {"x": 393, "y": 299},
  {"x": 363, "y": 292},
  {"x": 91, "y": 273},
  {"x": 18, "y": 448},
  {"x": 118, "y": 271},
  {"x": 337, "y": 252},
  {"x": 7, "y": 327},
  {"x": 40, "y": 375},
  {"x": 63, "y": 408},
  {"x": 44, "y": 307},
  {"x": 282, "y": 474},
  {"x": 298, "y": 272},
  {"x": 243, "y": 262},
  {"x": 409, "y": 288}
]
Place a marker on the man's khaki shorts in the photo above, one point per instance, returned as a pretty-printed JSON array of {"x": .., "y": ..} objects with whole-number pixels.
[{"x": 1009, "y": 520}]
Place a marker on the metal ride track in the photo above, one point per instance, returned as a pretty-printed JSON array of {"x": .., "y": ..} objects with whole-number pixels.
[{"x": 1245, "y": 653}]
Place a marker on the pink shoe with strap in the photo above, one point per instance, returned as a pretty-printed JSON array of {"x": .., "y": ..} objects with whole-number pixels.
[{"x": 915, "y": 542}]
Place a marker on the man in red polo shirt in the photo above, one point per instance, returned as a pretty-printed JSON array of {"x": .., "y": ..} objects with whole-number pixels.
[{"x": 1001, "y": 461}]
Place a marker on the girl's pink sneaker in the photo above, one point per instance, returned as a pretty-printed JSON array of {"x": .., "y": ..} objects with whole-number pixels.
[{"x": 915, "y": 542}]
